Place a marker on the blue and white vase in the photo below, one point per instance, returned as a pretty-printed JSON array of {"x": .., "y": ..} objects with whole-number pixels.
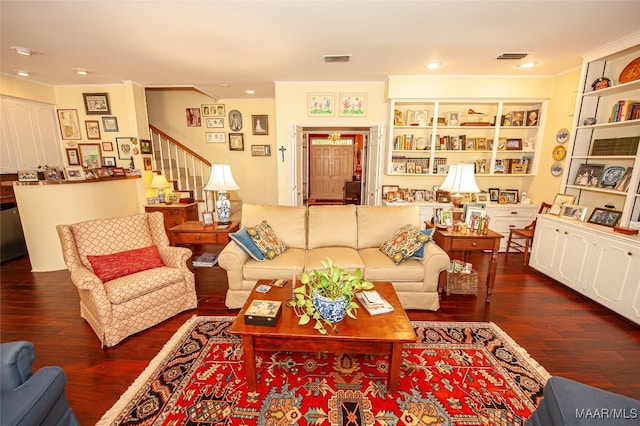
[{"x": 330, "y": 309}]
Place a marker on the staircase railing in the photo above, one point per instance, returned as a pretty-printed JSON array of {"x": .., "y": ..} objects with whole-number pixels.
[{"x": 188, "y": 170}]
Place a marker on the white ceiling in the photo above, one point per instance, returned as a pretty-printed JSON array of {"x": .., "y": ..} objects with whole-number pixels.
[{"x": 252, "y": 44}]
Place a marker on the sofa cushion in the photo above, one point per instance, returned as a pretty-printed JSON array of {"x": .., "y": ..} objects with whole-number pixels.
[
  {"x": 111, "y": 266},
  {"x": 143, "y": 285},
  {"x": 419, "y": 254},
  {"x": 343, "y": 257},
  {"x": 244, "y": 241},
  {"x": 280, "y": 267},
  {"x": 266, "y": 240},
  {"x": 377, "y": 223},
  {"x": 288, "y": 222},
  {"x": 332, "y": 226},
  {"x": 403, "y": 243},
  {"x": 379, "y": 267}
]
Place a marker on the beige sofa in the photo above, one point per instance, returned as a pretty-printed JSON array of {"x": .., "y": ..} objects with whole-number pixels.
[{"x": 350, "y": 235}]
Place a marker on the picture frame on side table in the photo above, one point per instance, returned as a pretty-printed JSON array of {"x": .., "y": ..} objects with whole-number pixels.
[
  {"x": 96, "y": 103},
  {"x": 574, "y": 212},
  {"x": 605, "y": 217},
  {"x": 69, "y": 124},
  {"x": 207, "y": 219},
  {"x": 559, "y": 201}
]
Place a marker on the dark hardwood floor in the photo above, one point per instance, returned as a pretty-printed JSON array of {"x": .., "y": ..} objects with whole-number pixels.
[{"x": 567, "y": 334}]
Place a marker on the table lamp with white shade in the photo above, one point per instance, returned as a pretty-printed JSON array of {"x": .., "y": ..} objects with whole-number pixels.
[
  {"x": 460, "y": 179},
  {"x": 221, "y": 180},
  {"x": 160, "y": 183}
]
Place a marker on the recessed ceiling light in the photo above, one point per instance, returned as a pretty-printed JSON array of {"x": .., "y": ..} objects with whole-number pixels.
[
  {"x": 22, "y": 73},
  {"x": 81, "y": 71},
  {"x": 22, "y": 50},
  {"x": 526, "y": 65},
  {"x": 250, "y": 92},
  {"x": 434, "y": 65},
  {"x": 224, "y": 85}
]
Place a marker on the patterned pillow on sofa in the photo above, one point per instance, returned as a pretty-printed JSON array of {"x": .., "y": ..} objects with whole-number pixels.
[
  {"x": 404, "y": 243},
  {"x": 266, "y": 240}
]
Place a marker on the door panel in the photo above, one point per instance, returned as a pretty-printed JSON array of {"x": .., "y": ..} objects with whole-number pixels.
[{"x": 331, "y": 166}]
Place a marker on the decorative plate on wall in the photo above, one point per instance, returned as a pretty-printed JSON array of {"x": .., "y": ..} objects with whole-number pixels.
[
  {"x": 556, "y": 168},
  {"x": 559, "y": 152},
  {"x": 562, "y": 136}
]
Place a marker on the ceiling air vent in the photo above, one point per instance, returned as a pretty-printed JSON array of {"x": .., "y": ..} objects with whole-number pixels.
[
  {"x": 336, "y": 58},
  {"x": 512, "y": 55}
]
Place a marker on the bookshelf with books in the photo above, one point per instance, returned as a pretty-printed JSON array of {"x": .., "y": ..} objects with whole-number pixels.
[{"x": 436, "y": 133}]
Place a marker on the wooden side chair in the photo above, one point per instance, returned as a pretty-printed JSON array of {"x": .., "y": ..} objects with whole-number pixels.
[{"x": 520, "y": 239}]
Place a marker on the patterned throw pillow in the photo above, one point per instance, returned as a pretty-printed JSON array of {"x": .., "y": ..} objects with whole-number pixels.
[
  {"x": 111, "y": 266},
  {"x": 420, "y": 253},
  {"x": 404, "y": 243},
  {"x": 266, "y": 240}
]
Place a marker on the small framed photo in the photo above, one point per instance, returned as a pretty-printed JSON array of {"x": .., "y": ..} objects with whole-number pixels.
[
  {"x": 605, "y": 217},
  {"x": 411, "y": 118},
  {"x": 107, "y": 146},
  {"x": 559, "y": 201},
  {"x": 117, "y": 171},
  {"x": 623, "y": 183},
  {"x": 353, "y": 104},
  {"x": 422, "y": 118},
  {"x": 517, "y": 118},
  {"x": 52, "y": 174},
  {"x": 28, "y": 176},
  {"x": 108, "y": 161},
  {"x": 90, "y": 155},
  {"x": 473, "y": 211},
  {"x": 481, "y": 144},
  {"x": 207, "y": 218},
  {"x": 73, "y": 157},
  {"x": 481, "y": 167},
  {"x": 74, "y": 173},
  {"x": 145, "y": 146},
  {"x": 213, "y": 110},
  {"x": 125, "y": 147},
  {"x": 446, "y": 217},
  {"x": 494, "y": 193},
  {"x": 90, "y": 174},
  {"x": 260, "y": 124},
  {"x": 571, "y": 211},
  {"x": 441, "y": 169},
  {"x": 589, "y": 174},
  {"x": 505, "y": 121},
  {"x": 93, "y": 129},
  {"x": 193, "y": 117},
  {"x": 173, "y": 198},
  {"x": 320, "y": 104},
  {"x": 69, "y": 124},
  {"x": 148, "y": 163},
  {"x": 214, "y": 123},
  {"x": 398, "y": 118},
  {"x": 110, "y": 124},
  {"x": 519, "y": 169},
  {"x": 102, "y": 172},
  {"x": 260, "y": 150},
  {"x": 236, "y": 141},
  {"x": 513, "y": 145},
  {"x": 96, "y": 103},
  {"x": 533, "y": 117},
  {"x": 482, "y": 197},
  {"x": 389, "y": 189},
  {"x": 510, "y": 196},
  {"x": 215, "y": 137},
  {"x": 453, "y": 118}
]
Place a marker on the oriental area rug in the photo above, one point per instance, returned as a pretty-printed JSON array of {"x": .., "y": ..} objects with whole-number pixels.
[{"x": 457, "y": 373}]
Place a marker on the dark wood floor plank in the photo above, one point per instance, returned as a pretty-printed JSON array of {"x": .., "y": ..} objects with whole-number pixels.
[{"x": 567, "y": 334}]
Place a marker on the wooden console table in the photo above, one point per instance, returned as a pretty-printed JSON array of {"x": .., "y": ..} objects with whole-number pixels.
[
  {"x": 451, "y": 241},
  {"x": 174, "y": 214},
  {"x": 194, "y": 233}
]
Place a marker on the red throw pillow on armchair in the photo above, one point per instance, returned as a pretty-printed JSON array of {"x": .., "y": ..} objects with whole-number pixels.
[{"x": 111, "y": 266}]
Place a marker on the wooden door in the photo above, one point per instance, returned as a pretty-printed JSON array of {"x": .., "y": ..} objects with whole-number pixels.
[{"x": 330, "y": 167}]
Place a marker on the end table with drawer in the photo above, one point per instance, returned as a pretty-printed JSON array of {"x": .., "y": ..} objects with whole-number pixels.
[
  {"x": 194, "y": 233},
  {"x": 174, "y": 214}
]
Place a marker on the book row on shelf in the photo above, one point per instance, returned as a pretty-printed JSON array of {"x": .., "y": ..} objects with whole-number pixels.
[
  {"x": 420, "y": 165},
  {"x": 624, "y": 110},
  {"x": 409, "y": 142}
]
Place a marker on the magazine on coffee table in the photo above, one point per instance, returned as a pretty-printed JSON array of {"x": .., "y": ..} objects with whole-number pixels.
[{"x": 373, "y": 302}]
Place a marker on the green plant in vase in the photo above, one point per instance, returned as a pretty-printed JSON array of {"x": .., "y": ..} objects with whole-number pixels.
[{"x": 327, "y": 296}]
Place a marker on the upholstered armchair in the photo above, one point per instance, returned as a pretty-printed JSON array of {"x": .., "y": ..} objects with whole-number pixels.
[
  {"x": 28, "y": 398},
  {"x": 127, "y": 275}
]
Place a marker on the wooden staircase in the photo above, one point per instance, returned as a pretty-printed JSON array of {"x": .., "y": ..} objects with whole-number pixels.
[{"x": 186, "y": 169}]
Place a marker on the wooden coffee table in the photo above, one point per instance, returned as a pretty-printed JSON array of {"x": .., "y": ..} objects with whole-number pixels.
[{"x": 378, "y": 334}]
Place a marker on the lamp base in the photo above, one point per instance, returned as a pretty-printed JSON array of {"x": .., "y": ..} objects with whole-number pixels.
[
  {"x": 161, "y": 195},
  {"x": 223, "y": 208},
  {"x": 456, "y": 200}
]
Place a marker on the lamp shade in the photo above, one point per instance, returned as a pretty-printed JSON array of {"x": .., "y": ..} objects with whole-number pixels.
[
  {"x": 221, "y": 179},
  {"x": 461, "y": 178},
  {"x": 159, "y": 181}
]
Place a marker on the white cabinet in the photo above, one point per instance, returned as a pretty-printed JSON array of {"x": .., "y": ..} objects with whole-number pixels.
[
  {"x": 504, "y": 217},
  {"x": 29, "y": 136},
  {"x": 606, "y": 135},
  {"x": 426, "y": 134},
  {"x": 587, "y": 258}
]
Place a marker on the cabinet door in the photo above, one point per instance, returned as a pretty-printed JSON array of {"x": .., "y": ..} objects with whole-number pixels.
[
  {"x": 614, "y": 277},
  {"x": 545, "y": 243},
  {"x": 575, "y": 252}
]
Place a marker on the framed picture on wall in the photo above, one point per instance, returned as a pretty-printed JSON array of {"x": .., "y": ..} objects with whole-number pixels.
[
  {"x": 110, "y": 124},
  {"x": 93, "y": 129},
  {"x": 260, "y": 124},
  {"x": 236, "y": 141},
  {"x": 69, "y": 124},
  {"x": 354, "y": 105},
  {"x": 90, "y": 155},
  {"x": 96, "y": 103},
  {"x": 73, "y": 157}
]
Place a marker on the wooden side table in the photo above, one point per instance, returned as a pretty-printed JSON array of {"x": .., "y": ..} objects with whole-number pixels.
[
  {"x": 451, "y": 241},
  {"x": 174, "y": 214},
  {"x": 194, "y": 233}
]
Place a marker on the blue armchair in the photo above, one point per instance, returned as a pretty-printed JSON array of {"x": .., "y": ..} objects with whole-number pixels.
[{"x": 31, "y": 399}]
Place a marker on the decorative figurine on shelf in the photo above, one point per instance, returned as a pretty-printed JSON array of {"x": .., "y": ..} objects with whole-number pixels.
[
  {"x": 132, "y": 165},
  {"x": 601, "y": 83}
]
